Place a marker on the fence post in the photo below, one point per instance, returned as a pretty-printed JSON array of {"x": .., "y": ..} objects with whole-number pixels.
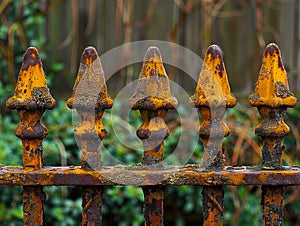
[
  {"x": 90, "y": 99},
  {"x": 153, "y": 99},
  {"x": 272, "y": 97},
  {"x": 213, "y": 97},
  {"x": 31, "y": 99}
]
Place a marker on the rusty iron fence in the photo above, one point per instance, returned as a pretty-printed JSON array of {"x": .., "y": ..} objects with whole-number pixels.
[{"x": 153, "y": 99}]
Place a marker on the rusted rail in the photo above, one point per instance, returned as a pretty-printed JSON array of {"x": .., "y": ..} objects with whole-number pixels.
[
  {"x": 147, "y": 176},
  {"x": 153, "y": 99}
]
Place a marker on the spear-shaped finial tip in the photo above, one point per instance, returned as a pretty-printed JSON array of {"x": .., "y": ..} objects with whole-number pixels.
[
  {"x": 272, "y": 87},
  {"x": 89, "y": 55},
  {"x": 31, "y": 90},
  {"x": 213, "y": 87},
  {"x": 153, "y": 88},
  {"x": 214, "y": 51},
  {"x": 31, "y": 58},
  {"x": 90, "y": 90},
  {"x": 153, "y": 53}
]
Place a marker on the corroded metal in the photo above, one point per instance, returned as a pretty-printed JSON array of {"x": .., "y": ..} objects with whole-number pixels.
[
  {"x": 33, "y": 198},
  {"x": 272, "y": 200},
  {"x": 272, "y": 97},
  {"x": 153, "y": 99},
  {"x": 91, "y": 205},
  {"x": 31, "y": 99},
  {"x": 90, "y": 99},
  {"x": 153, "y": 206},
  {"x": 190, "y": 175},
  {"x": 213, "y": 97},
  {"x": 213, "y": 205}
]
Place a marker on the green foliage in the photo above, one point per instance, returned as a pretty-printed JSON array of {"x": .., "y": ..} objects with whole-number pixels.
[
  {"x": 242, "y": 145},
  {"x": 242, "y": 206},
  {"x": 60, "y": 137},
  {"x": 63, "y": 206},
  {"x": 123, "y": 206},
  {"x": 10, "y": 146},
  {"x": 23, "y": 25}
]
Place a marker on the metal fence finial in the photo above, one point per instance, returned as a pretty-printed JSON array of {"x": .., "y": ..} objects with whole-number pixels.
[
  {"x": 90, "y": 99},
  {"x": 272, "y": 97},
  {"x": 213, "y": 97},
  {"x": 31, "y": 99},
  {"x": 153, "y": 99}
]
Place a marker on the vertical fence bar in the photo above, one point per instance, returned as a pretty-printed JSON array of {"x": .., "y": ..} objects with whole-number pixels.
[
  {"x": 153, "y": 99},
  {"x": 90, "y": 99},
  {"x": 272, "y": 97},
  {"x": 213, "y": 97},
  {"x": 31, "y": 99}
]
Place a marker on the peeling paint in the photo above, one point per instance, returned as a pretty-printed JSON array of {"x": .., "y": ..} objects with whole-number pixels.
[
  {"x": 272, "y": 97},
  {"x": 31, "y": 99},
  {"x": 90, "y": 98}
]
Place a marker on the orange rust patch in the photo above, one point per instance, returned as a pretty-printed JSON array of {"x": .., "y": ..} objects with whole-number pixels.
[
  {"x": 153, "y": 88},
  {"x": 31, "y": 91},
  {"x": 212, "y": 97},
  {"x": 272, "y": 89},
  {"x": 213, "y": 87}
]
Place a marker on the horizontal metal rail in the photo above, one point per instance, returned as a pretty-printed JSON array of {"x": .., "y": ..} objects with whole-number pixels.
[{"x": 146, "y": 176}]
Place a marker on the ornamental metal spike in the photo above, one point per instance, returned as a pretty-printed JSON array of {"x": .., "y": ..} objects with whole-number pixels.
[
  {"x": 31, "y": 99},
  {"x": 31, "y": 91},
  {"x": 272, "y": 97},
  {"x": 213, "y": 87},
  {"x": 90, "y": 91},
  {"x": 153, "y": 99},
  {"x": 153, "y": 88},
  {"x": 213, "y": 97},
  {"x": 90, "y": 99},
  {"x": 272, "y": 89}
]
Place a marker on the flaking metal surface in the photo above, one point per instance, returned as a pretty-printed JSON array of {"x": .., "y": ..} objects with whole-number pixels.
[
  {"x": 272, "y": 97},
  {"x": 90, "y": 98},
  {"x": 148, "y": 176},
  {"x": 212, "y": 97},
  {"x": 153, "y": 99},
  {"x": 31, "y": 99}
]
